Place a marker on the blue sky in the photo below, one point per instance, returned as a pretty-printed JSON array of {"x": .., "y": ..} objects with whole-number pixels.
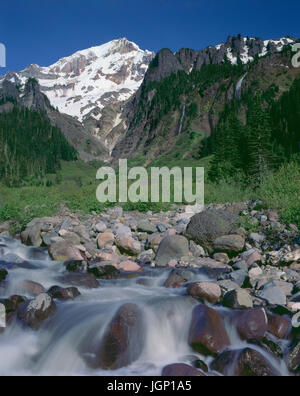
[{"x": 42, "y": 31}]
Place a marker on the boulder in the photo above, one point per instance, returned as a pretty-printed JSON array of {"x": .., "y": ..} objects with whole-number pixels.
[
  {"x": 177, "y": 278},
  {"x": 243, "y": 363},
  {"x": 37, "y": 311},
  {"x": 103, "y": 270},
  {"x": 128, "y": 245},
  {"x": 146, "y": 226},
  {"x": 123, "y": 342},
  {"x": 171, "y": 247},
  {"x": 205, "y": 291},
  {"x": 279, "y": 326},
  {"x": 63, "y": 251},
  {"x": 252, "y": 324},
  {"x": 69, "y": 293},
  {"x": 207, "y": 334},
  {"x": 31, "y": 236},
  {"x": 205, "y": 227},
  {"x": 273, "y": 295},
  {"x": 129, "y": 266},
  {"x": 238, "y": 299},
  {"x": 181, "y": 370},
  {"x": 32, "y": 288},
  {"x": 293, "y": 358},
  {"x": 105, "y": 239},
  {"x": 229, "y": 244}
]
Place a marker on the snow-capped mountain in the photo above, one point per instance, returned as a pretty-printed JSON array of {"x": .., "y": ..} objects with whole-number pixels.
[{"x": 92, "y": 78}]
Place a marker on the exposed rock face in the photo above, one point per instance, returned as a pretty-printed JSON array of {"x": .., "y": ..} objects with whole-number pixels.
[
  {"x": 208, "y": 335},
  {"x": 123, "y": 342},
  {"x": 243, "y": 363},
  {"x": 83, "y": 85},
  {"x": 205, "y": 227},
  {"x": 146, "y": 136}
]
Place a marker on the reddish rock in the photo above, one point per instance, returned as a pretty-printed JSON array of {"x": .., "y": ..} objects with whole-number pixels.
[
  {"x": 279, "y": 326},
  {"x": 181, "y": 370},
  {"x": 207, "y": 335},
  {"x": 123, "y": 341},
  {"x": 252, "y": 324},
  {"x": 105, "y": 239},
  {"x": 129, "y": 266},
  {"x": 205, "y": 291}
]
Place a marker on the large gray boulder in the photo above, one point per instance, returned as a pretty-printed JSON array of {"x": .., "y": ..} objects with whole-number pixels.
[
  {"x": 171, "y": 247},
  {"x": 205, "y": 227}
]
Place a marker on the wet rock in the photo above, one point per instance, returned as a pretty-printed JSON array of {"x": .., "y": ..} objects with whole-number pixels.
[
  {"x": 293, "y": 358},
  {"x": 238, "y": 299},
  {"x": 181, "y": 370},
  {"x": 79, "y": 266},
  {"x": 177, "y": 278},
  {"x": 103, "y": 270},
  {"x": 69, "y": 293},
  {"x": 37, "y": 311},
  {"x": 88, "y": 281},
  {"x": 205, "y": 291},
  {"x": 269, "y": 345},
  {"x": 229, "y": 244},
  {"x": 252, "y": 324},
  {"x": 199, "y": 364},
  {"x": 279, "y": 326},
  {"x": 123, "y": 341},
  {"x": 62, "y": 251},
  {"x": 205, "y": 227},
  {"x": 172, "y": 247},
  {"x": 12, "y": 303},
  {"x": 243, "y": 363},
  {"x": 207, "y": 335},
  {"x": 32, "y": 288}
]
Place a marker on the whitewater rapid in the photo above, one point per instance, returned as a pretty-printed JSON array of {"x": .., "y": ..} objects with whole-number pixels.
[{"x": 66, "y": 342}]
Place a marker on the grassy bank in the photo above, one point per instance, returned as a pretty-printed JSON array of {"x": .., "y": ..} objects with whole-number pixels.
[{"x": 75, "y": 186}]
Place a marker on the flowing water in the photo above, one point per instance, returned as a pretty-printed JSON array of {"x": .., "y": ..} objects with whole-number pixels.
[
  {"x": 238, "y": 91},
  {"x": 182, "y": 119},
  {"x": 67, "y": 340}
]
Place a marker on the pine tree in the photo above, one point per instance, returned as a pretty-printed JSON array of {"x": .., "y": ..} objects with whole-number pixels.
[{"x": 260, "y": 148}]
